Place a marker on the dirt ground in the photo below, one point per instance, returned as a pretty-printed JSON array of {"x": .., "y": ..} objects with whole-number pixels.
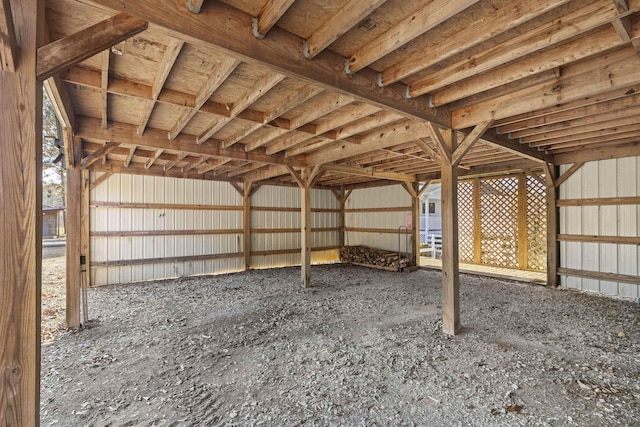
[{"x": 361, "y": 348}]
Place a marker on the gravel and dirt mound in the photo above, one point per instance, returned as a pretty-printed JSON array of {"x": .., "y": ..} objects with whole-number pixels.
[{"x": 362, "y": 347}]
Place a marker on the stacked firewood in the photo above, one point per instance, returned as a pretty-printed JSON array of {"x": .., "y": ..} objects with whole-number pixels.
[{"x": 376, "y": 258}]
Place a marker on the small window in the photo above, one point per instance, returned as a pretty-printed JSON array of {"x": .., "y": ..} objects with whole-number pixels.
[{"x": 432, "y": 207}]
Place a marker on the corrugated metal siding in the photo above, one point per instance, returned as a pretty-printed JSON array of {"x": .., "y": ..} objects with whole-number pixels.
[
  {"x": 382, "y": 197},
  {"x": 605, "y": 178},
  {"x": 142, "y": 189},
  {"x": 289, "y": 197}
]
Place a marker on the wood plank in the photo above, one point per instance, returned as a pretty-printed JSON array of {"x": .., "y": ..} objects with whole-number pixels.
[
  {"x": 383, "y": 209},
  {"x": 145, "y": 233},
  {"x": 213, "y": 82},
  {"x": 102, "y": 178},
  {"x": 450, "y": 261},
  {"x": 68, "y": 51},
  {"x": 291, "y": 251},
  {"x": 223, "y": 26},
  {"x": 616, "y": 240},
  {"x": 164, "y": 69},
  {"x": 291, "y": 230},
  {"x": 149, "y": 261},
  {"x": 491, "y": 25},
  {"x": 106, "y": 56},
  {"x": 8, "y": 47},
  {"x": 603, "y": 201},
  {"x": 157, "y": 139},
  {"x": 376, "y": 230},
  {"x": 21, "y": 225},
  {"x": 609, "y": 277},
  {"x": 97, "y": 155},
  {"x": 408, "y": 29},
  {"x": 553, "y": 248},
  {"x": 599, "y": 153},
  {"x": 136, "y": 205},
  {"x": 573, "y": 169},
  {"x": 346, "y": 18},
  {"x": 469, "y": 140},
  {"x": 347, "y": 170},
  {"x": 269, "y": 16}
]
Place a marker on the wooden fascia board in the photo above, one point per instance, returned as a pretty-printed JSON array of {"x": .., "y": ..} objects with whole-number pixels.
[
  {"x": 157, "y": 139},
  {"x": 68, "y": 51},
  {"x": 224, "y": 26}
]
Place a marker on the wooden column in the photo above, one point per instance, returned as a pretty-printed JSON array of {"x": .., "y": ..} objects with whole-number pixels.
[
  {"x": 85, "y": 235},
  {"x": 246, "y": 225},
  {"x": 343, "y": 201},
  {"x": 450, "y": 268},
  {"x": 552, "y": 226},
  {"x": 305, "y": 228},
  {"x": 522, "y": 221},
  {"x": 21, "y": 219},
  {"x": 477, "y": 223},
  {"x": 73, "y": 228},
  {"x": 415, "y": 221}
]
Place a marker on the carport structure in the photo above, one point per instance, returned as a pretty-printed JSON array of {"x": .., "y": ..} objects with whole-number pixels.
[{"x": 334, "y": 96}]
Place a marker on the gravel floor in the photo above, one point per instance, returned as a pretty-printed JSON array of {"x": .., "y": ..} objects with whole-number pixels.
[{"x": 361, "y": 348}]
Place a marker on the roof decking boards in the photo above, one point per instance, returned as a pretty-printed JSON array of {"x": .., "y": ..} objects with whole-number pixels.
[{"x": 540, "y": 73}]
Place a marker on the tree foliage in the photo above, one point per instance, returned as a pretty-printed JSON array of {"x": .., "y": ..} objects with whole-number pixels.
[{"x": 53, "y": 174}]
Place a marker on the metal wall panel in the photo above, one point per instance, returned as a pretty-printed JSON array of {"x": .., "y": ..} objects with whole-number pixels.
[
  {"x": 381, "y": 197},
  {"x": 605, "y": 178}
]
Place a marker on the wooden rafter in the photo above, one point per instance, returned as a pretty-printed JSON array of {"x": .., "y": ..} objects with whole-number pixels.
[
  {"x": 8, "y": 48},
  {"x": 168, "y": 60},
  {"x": 262, "y": 86},
  {"x": 213, "y": 82},
  {"x": 443, "y": 47},
  {"x": 212, "y": 165},
  {"x": 411, "y": 27},
  {"x": 104, "y": 87},
  {"x": 217, "y": 26},
  {"x": 269, "y": 15},
  {"x": 349, "y": 15},
  {"x": 68, "y": 51}
]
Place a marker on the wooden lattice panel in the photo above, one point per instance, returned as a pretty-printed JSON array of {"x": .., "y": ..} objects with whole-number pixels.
[
  {"x": 536, "y": 225},
  {"x": 465, "y": 221},
  {"x": 499, "y": 221}
]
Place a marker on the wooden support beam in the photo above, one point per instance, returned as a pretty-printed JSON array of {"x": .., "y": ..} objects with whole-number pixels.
[
  {"x": 180, "y": 157},
  {"x": 8, "y": 48},
  {"x": 357, "y": 171},
  {"x": 615, "y": 240},
  {"x": 102, "y": 178},
  {"x": 305, "y": 228},
  {"x": 567, "y": 174},
  {"x": 246, "y": 225},
  {"x": 423, "y": 143},
  {"x": 269, "y": 15},
  {"x": 415, "y": 223},
  {"x": 85, "y": 218},
  {"x": 59, "y": 96},
  {"x": 408, "y": 29},
  {"x": 351, "y": 14},
  {"x": 21, "y": 225},
  {"x": 152, "y": 160},
  {"x": 168, "y": 60},
  {"x": 106, "y": 56},
  {"x": 73, "y": 229},
  {"x": 68, "y": 51},
  {"x": 132, "y": 151},
  {"x": 450, "y": 261},
  {"x": 96, "y": 155},
  {"x": 341, "y": 218},
  {"x": 222, "y": 26},
  {"x": 469, "y": 140},
  {"x": 444, "y": 151},
  {"x": 552, "y": 226},
  {"x": 216, "y": 78}
]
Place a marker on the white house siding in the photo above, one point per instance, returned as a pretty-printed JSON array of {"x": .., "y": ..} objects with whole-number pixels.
[
  {"x": 392, "y": 196},
  {"x": 605, "y": 178}
]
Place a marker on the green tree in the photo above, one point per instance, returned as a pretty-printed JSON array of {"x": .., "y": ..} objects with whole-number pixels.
[{"x": 53, "y": 173}]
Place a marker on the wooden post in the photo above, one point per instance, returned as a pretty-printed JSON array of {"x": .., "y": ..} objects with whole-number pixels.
[
  {"x": 450, "y": 268},
  {"x": 552, "y": 226},
  {"x": 73, "y": 227},
  {"x": 246, "y": 225},
  {"x": 85, "y": 239},
  {"x": 477, "y": 223},
  {"x": 415, "y": 221},
  {"x": 343, "y": 201},
  {"x": 522, "y": 221},
  {"x": 21, "y": 221},
  {"x": 305, "y": 228}
]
